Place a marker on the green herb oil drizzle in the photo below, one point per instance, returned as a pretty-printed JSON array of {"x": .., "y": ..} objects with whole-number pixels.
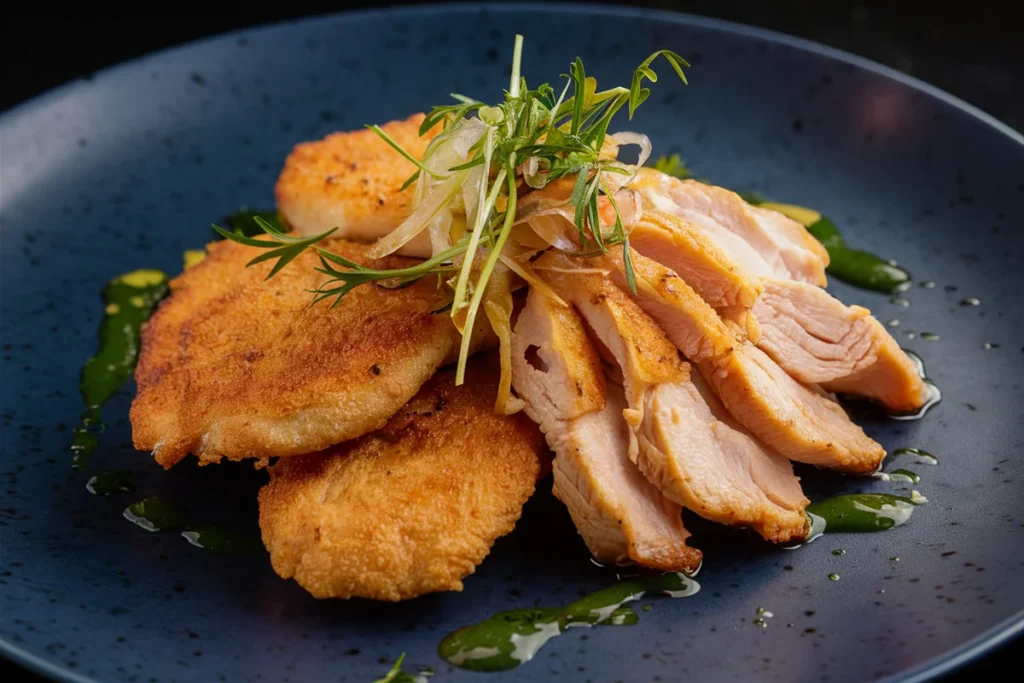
[
  {"x": 905, "y": 475},
  {"x": 219, "y": 540},
  {"x": 510, "y": 638},
  {"x": 860, "y": 513},
  {"x": 110, "y": 482},
  {"x": 129, "y": 301},
  {"x": 923, "y": 457},
  {"x": 160, "y": 514},
  {"x": 156, "y": 514}
]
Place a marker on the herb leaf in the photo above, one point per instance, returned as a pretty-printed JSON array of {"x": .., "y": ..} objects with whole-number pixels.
[
  {"x": 637, "y": 93},
  {"x": 559, "y": 138}
]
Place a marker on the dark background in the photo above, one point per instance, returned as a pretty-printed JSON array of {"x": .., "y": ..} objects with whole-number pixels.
[{"x": 974, "y": 50}]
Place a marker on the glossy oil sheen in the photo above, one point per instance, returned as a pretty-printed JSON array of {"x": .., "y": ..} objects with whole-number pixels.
[
  {"x": 512, "y": 638},
  {"x": 110, "y": 483},
  {"x": 147, "y": 155},
  {"x": 220, "y": 540},
  {"x": 861, "y": 512}
]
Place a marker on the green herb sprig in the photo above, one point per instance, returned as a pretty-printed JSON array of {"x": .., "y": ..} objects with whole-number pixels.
[{"x": 557, "y": 137}]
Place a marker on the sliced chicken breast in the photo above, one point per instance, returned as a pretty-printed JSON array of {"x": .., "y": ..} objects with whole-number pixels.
[
  {"x": 810, "y": 334},
  {"x": 693, "y": 457},
  {"x": 800, "y": 422},
  {"x": 716, "y": 469},
  {"x": 819, "y": 340},
  {"x": 352, "y": 181},
  {"x": 785, "y": 245},
  {"x": 729, "y": 287},
  {"x": 620, "y": 515}
]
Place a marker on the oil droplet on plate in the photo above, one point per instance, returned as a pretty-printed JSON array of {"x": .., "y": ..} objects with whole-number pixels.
[
  {"x": 156, "y": 514},
  {"x": 923, "y": 457},
  {"x": 905, "y": 475},
  {"x": 109, "y": 483}
]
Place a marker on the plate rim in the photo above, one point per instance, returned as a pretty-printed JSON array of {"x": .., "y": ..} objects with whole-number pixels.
[
  {"x": 955, "y": 658},
  {"x": 685, "y": 18}
]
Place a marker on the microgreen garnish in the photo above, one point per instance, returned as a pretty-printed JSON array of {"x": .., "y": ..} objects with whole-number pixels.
[{"x": 472, "y": 169}]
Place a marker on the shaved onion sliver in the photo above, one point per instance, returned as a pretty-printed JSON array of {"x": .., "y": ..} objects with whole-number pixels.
[
  {"x": 630, "y": 138},
  {"x": 448, "y": 149},
  {"x": 500, "y": 319},
  {"x": 440, "y": 232},
  {"x": 483, "y": 209},
  {"x": 417, "y": 222},
  {"x": 551, "y": 225},
  {"x": 468, "y": 131},
  {"x": 471, "y": 192},
  {"x": 526, "y": 272},
  {"x": 498, "y": 309}
]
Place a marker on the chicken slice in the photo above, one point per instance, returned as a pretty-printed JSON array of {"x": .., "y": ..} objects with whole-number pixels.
[
  {"x": 353, "y": 181},
  {"x": 772, "y": 473},
  {"x": 780, "y": 242},
  {"x": 819, "y": 340},
  {"x": 620, "y": 515},
  {"x": 238, "y": 366},
  {"x": 810, "y": 334},
  {"x": 798, "y": 421},
  {"x": 698, "y": 258},
  {"x": 407, "y": 509},
  {"x": 693, "y": 457}
]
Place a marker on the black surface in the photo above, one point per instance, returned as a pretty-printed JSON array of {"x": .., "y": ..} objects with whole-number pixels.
[{"x": 972, "y": 51}]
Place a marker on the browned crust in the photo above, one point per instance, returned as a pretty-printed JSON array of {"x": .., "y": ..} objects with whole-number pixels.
[
  {"x": 412, "y": 508},
  {"x": 350, "y": 178},
  {"x": 234, "y": 365}
]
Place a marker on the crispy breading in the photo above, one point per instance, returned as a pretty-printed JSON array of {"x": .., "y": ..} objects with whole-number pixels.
[
  {"x": 235, "y": 365},
  {"x": 412, "y": 508},
  {"x": 351, "y": 181}
]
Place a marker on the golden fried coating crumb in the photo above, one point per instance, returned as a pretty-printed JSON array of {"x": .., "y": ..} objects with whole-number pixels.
[
  {"x": 234, "y": 365},
  {"x": 412, "y": 508}
]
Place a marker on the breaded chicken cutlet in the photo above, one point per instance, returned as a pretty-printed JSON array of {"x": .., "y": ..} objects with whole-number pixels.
[
  {"x": 411, "y": 508},
  {"x": 235, "y": 365},
  {"x": 352, "y": 181}
]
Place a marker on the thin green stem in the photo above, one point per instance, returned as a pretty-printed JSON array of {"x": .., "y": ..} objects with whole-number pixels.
[
  {"x": 401, "y": 150},
  {"x": 485, "y": 274},
  {"x": 482, "y": 210},
  {"x": 517, "y": 58}
]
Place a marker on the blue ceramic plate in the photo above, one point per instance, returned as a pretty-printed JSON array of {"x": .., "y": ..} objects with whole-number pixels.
[{"x": 129, "y": 168}]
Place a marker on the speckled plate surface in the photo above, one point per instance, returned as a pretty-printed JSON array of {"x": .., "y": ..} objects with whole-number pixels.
[{"x": 129, "y": 168}]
